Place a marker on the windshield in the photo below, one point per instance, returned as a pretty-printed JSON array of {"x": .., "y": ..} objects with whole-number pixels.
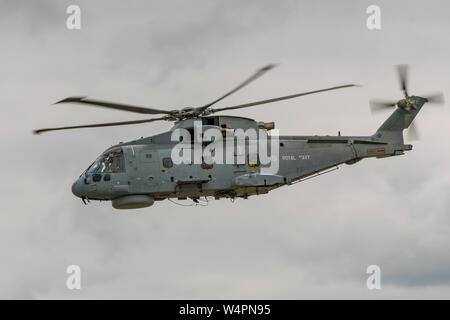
[{"x": 110, "y": 161}]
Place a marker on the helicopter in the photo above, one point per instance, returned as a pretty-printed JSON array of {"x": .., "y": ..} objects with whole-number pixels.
[{"x": 137, "y": 173}]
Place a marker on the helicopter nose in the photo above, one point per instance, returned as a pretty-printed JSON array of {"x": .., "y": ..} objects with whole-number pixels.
[{"x": 76, "y": 189}]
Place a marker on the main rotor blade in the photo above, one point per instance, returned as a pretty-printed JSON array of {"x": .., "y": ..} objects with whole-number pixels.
[
  {"x": 253, "y": 77},
  {"x": 112, "y": 105},
  {"x": 109, "y": 124},
  {"x": 376, "y": 105},
  {"x": 402, "y": 71},
  {"x": 281, "y": 98},
  {"x": 437, "y": 98}
]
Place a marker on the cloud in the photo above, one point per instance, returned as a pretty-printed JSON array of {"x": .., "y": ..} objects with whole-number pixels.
[{"x": 311, "y": 240}]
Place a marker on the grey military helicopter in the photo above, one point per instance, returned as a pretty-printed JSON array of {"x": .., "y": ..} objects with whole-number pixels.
[{"x": 137, "y": 173}]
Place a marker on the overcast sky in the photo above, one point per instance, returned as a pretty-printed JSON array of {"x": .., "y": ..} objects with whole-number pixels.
[{"x": 310, "y": 240}]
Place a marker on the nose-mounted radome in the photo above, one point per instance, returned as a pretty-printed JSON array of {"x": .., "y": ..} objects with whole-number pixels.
[
  {"x": 77, "y": 189},
  {"x": 80, "y": 189}
]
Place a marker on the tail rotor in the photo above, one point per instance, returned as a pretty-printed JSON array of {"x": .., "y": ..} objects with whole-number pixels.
[{"x": 408, "y": 104}]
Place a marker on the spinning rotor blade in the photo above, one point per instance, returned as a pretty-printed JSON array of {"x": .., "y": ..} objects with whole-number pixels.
[
  {"x": 112, "y": 105},
  {"x": 280, "y": 98},
  {"x": 402, "y": 71},
  {"x": 376, "y": 105},
  {"x": 437, "y": 98},
  {"x": 413, "y": 132},
  {"x": 408, "y": 104},
  {"x": 109, "y": 124},
  {"x": 253, "y": 77}
]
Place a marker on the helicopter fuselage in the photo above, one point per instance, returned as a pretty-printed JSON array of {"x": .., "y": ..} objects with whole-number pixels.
[{"x": 137, "y": 173}]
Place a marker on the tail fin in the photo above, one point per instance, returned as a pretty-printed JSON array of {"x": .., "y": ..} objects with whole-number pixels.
[{"x": 400, "y": 119}]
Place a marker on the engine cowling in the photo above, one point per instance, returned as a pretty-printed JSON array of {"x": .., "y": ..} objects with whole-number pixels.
[{"x": 134, "y": 201}]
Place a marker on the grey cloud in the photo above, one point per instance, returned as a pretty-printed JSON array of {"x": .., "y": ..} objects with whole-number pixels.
[{"x": 291, "y": 243}]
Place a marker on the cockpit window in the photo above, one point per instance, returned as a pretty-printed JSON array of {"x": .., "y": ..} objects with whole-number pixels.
[{"x": 110, "y": 161}]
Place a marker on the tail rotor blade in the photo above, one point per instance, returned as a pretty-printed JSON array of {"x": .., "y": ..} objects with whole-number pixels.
[
  {"x": 402, "y": 71},
  {"x": 376, "y": 106},
  {"x": 437, "y": 98},
  {"x": 413, "y": 132}
]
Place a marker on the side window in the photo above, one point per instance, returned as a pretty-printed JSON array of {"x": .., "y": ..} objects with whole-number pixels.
[
  {"x": 116, "y": 163},
  {"x": 167, "y": 162},
  {"x": 111, "y": 161}
]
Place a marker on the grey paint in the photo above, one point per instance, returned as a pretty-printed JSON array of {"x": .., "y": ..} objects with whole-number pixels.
[
  {"x": 311, "y": 240},
  {"x": 147, "y": 175}
]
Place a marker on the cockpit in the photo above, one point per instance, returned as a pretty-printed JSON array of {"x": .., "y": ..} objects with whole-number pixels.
[
  {"x": 110, "y": 161},
  {"x": 96, "y": 179}
]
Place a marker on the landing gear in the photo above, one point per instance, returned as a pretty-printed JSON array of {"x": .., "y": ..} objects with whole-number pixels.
[{"x": 85, "y": 200}]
